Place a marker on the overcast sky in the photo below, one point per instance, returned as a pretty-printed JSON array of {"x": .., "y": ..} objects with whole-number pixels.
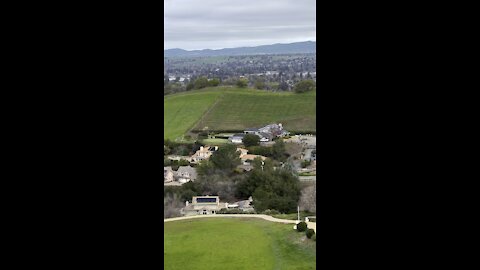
[{"x": 217, "y": 24}]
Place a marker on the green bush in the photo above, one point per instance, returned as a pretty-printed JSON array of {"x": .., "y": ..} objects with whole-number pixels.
[
  {"x": 314, "y": 237},
  {"x": 270, "y": 212},
  {"x": 242, "y": 83},
  {"x": 306, "y": 163},
  {"x": 304, "y": 86},
  {"x": 214, "y": 82},
  {"x": 301, "y": 227},
  {"x": 201, "y": 82},
  {"x": 234, "y": 211},
  {"x": 310, "y": 233}
]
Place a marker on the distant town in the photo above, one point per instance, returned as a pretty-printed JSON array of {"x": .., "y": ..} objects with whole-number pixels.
[{"x": 266, "y": 72}]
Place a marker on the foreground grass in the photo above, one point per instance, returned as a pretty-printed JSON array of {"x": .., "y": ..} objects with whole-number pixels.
[
  {"x": 230, "y": 108},
  {"x": 235, "y": 243}
]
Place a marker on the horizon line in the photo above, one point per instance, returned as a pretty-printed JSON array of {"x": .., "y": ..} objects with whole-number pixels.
[{"x": 238, "y": 47}]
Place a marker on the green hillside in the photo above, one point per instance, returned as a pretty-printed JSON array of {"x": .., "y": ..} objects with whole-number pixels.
[
  {"x": 235, "y": 243},
  {"x": 225, "y": 108}
]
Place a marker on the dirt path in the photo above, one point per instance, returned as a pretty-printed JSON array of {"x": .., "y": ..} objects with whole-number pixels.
[{"x": 265, "y": 217}]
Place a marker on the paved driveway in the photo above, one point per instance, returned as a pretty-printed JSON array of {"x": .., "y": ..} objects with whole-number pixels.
[{"x": 265, "y": 217}]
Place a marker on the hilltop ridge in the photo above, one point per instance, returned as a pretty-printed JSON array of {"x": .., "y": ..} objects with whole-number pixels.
[{"x": 279, "y": 48}]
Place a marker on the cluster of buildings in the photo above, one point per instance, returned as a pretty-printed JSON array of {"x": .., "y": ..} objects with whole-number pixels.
[
  {"x": 266, "y": 133},
  {"x": 205, "y": 152},
  {"x": 211, "y": 205},
  {"x": 186, "y": 174}
]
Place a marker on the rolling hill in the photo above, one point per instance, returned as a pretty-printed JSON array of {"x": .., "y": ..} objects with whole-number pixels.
[
  {"x": 290, "y": 48},
  {"x": 234, "y": 109}
]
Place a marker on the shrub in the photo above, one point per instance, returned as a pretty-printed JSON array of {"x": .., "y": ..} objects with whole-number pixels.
[
  {"x": 200, "y": 83},
  {"x": 271, "y": 212},
  {"x": 310, "y": 233},
  {"x": 306, "y": 163},
  {"x": 214, "y": 82},
  {"x": 234, "y": 211},
  {"x": 183, "y": 162},
  {"x": 314, "y": 237},
  {"x": 304, "y": 86},
  {"x": 242, "y": 83},
  {"x": 301, "y": 227}
]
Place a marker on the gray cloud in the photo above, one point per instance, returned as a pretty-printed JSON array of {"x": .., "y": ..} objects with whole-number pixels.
[{"x": 215, "y": 24}]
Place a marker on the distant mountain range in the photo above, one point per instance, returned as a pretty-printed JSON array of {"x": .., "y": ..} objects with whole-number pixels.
[{"x": 297, "y": 47}]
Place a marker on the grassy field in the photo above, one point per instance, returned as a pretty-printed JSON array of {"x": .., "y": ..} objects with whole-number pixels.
[
  {"x": 234, "y": 243},
  {"x": 182, "y": 111},
  {"x": 225, "y": 108}
]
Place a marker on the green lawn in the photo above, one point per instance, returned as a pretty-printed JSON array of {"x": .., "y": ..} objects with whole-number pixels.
[
  {"x": 215, "y": 141},
  {"x": 237, "y": 109},
  {"x": 235, "y": 243}
]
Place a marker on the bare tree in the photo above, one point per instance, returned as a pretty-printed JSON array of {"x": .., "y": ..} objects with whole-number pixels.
[
  {"x": 308, "y": 199},
  {"x": 171, "y": 206}
]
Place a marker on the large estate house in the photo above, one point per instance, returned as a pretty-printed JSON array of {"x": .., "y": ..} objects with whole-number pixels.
[
  {"x": 210, "y": 205},
  {"x": 247, "y": 158},
  {"x": 203, "y": 153},
  {"x": 183, "y": 175},
  {"x": 266, "y": 133},
  {"x": 203, "y": 205}
]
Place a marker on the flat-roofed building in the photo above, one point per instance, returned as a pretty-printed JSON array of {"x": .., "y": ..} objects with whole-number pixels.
[{"x": 203, "y": 205}]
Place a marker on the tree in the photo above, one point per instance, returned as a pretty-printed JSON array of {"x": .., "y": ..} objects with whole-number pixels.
[
  {"x": 214, "y": 82},
  {"x": 226, "y": 158},
  {"x": 304, "y": 86},
  {"x": 190, "y": 86},
  {"x": 305, "y": 163},
  {"x": 201, "y": 82},
  {"x": 251, "y": 140},
  {"x": 260, "y": 84},
  {"x": 283, "y": 86},
  {"x": 278, "y": 151},
  {"x": 242, "y": 83},
  {"x": 171, "y": 206},
  {"x": 166, "y": 150},
  {"x": 308, "y": 199},
  {"x": 276, "y": 189}
]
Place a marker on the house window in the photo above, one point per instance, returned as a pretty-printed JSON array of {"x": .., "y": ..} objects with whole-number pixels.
[{"x": 213, "y": 212}]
